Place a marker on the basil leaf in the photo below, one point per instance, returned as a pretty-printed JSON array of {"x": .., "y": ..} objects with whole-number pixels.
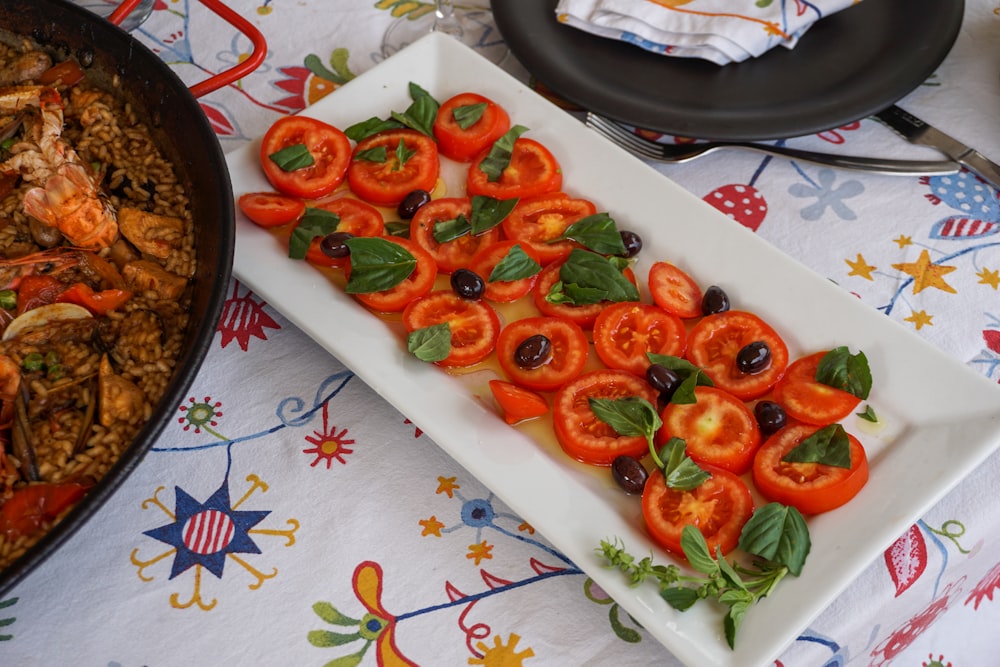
[
  {"x": 449, "y": 230},
  {"x": 398, "y": 228},
  {"x": 828, "y": 446},
  {"x": 515, "y": 265},
  {"x": 679, "y": 470},
  {"x": 695, "y": 549},
  {"x": 868, "y": 415},
  {"x": 499, "y": 156},
  {"x": 367, "y": 128},
  {"x": 468, "y": 115},
  {"x": 732, "y": 621},
  {"x": 594, "y": 278},
  {"x": 691, "y": 377},
  {"x": 488, "y": 212},
  {"x": 574, "y": 295},
  {"x": 596, "y": 232},
  {"x": 314, "y": 222},
  {"x": 292, "y": 157},
  {"x": 680, "y": 599},
  {"x": 377, "y": 154},
  {"x": 779, "y": 534},
  {"x": 845, "y": 371},
  {"x": 377, "y": 264},
  {"x": 421, "y": 113},
  {"x": 629, "y": 416},
  {"x": 403, "y": 155},
  {"x": 431, "y": 343}
]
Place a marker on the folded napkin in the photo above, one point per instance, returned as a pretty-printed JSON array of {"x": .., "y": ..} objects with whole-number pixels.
[{"x": 722, "y": 31}]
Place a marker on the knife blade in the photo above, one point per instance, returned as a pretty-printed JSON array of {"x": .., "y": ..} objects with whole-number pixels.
[{"x": 919, "y": 132}]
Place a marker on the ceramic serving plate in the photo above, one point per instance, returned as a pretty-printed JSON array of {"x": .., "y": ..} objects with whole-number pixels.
[{"x": 932, "y": 432}]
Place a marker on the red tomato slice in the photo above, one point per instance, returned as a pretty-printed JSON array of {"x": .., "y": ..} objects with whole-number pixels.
[
  {"x": 674, "y": 291},
  {"x": 416, "y": 285},
  {"x": 387, "y": 183},
  {"x": 719, "y": 508},
  {"x": 718, "y": 429},
  {"x": 457, "y": 253},
  {"x": 807, "y": 400},
  {"x": 569, "y": 352},
  {"x": 356, "y": 218},
  {"x": 714, "y": 342},
  {"x": 269, "y": 209},
  {"x": 625, "y": 332},
  {"x": 330, "y": 149},
  {"x": 474, "y": 325},
  {"x": 518, "y": 404},
  {"x": 580, "y": 433},
  {"x": 537, "y": 220},
  {"x": 812, "y": 488},
  {"x": 533, "y": 170},
  {"x": 463, "y": 144},
  {"x": 502, "y": 291}
]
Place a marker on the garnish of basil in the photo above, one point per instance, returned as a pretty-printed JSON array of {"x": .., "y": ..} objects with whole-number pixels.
[
  {"x": 515, "y": 265},
  {"x": 500, "y": 153},
  {"x": 779, "y": 534},
  {"x": 377, "y": 264},
  {"x": 291, "y": 158},
  {"x": 314, "y": 222},
  {"x": 398, "y": 228},
  {"x": 629, "y": 416},
  {"x": 596, "y": 232},
  {"x": 488, "y": 212},
  {"x": 449, "y": 230},
  {"x": 868, "y": 414},
  {"x": 377, "y": 154},
  {"x": 468, "y": 115},
  {"x": 431, "y": 343},
  {"x": 679, "y": 470},
  {"x": 845, "y": 371},
  {"x": 691, "y": 377},
  {"x": 829, "y": 446},
  {"x": 403, "y": 155},
  {"x": 421, "y": 113},
  {"x": 367, "y": 128},
  {"x": 587, "y": 278}
]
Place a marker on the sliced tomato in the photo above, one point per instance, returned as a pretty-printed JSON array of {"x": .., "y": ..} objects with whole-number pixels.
[
  {"x": 584, "y": 315},
  {"x": 517, "y": 403},
  {"x": 537, "y": 220},
  {"x": 462, "y": 144},
  {"x": 808, "y": 400},
  {"x": 329, "y": 147},
  {"x": 625, "y": 332},
  {"x": 569, "y": 352},
  {"x": 718, "y": 429},
  {"x": 716, "y": 340},
  {"x": 532, "y": 170},
  {"x": 417, "y": 284},
  {"x": 98, "y": 303},
  {"x": 718, "y": 508},
  {"x": 674, "y": 291},
  {"x": 377, "y": 175},
  {"x": 457, "y": 253},
  {"x": 356, "y": 218},
  {"x": 502, "y": 291},
  {"x": 812, "y": 488},
  {"x": 37, "y": 290},
  {"x": 270, "y": 209},
  {"x": 578, "y": 430},
  {"x": 474, "y": 325}
]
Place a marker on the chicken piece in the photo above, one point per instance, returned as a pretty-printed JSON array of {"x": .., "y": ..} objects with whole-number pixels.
[
  {"x": 152, "y": 234},
  {"x": 26, "y": 67},
  {"x": 119, "y": 399},
  {"x": 144, "y": 275}
]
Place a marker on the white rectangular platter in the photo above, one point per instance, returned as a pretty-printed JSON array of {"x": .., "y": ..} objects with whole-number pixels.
[{"x": 940, "y": 418}]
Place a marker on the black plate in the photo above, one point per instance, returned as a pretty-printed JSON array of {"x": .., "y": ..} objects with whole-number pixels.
[{"x": 847, "y": 66}]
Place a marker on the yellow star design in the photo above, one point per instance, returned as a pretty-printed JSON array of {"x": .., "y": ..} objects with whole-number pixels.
[
  {"x": 431, "y": 527},
  {"x": 860, "y": 267},
  {"x": 926, "y": 273},
  {"x": 903, "y": 241},
  {"x": 447, "y": 485},
  {"x": 919, "y": 318},
  {"x": 989, "y": 277},
  {"x": 478, "y": 552}
]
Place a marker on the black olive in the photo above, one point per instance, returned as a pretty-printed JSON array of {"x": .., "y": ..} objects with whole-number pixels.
[
  {"x": 533, "y": 352},
  {"x": 714, "y": 301},
  {"x": 770, "y": 416},
  {"x": 629, "y": 473},
  {"x": 411, "y": 203},
  {"x": 467, "y": 284},
  {"x": 632, "y": 242},
  {"x": 753, "y": 358},
  {"x": 335, "y": 245},
  {"x": 663, "y": 380}
]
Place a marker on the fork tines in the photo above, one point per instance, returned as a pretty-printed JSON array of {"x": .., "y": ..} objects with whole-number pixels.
[{"x": 622, "y": 137}]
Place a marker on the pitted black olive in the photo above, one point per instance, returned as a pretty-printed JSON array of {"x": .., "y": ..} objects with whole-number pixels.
[
  {"x": 663, "y": 380},
  {"x": 753, "y": 358},
  {"x": 467, "y": 284},
  {"x": 632, "y": 242},
  {"x": 335, "y": 245},
  {"x": 412, "y": 203},
  {"x": 770, "y": 417},
  {"x": 629, "y": 473},
  {"x": 715, "y": 300},
  {"x": 533, "y": 352}
]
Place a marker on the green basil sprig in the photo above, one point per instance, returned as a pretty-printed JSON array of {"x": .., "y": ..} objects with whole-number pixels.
[
  {"x": 431, "y": 343},
  {"x": 515, "y": 265},
  {"x": 587, "y": 278},
  {"x": 315, "y": 222},
  {"x": 596, "y": 232},
  {"x": 845, "y": 371},
  {"x": 292, "y": 158},
  {"x": 468, "y": 115},
  {"x": 691, "y": 376},
  {"x": 376, "y": 154},
  {"x": 829, "y": 446},
  {"x": 377, "y": 264},
  {"x": 449, "y": 230},
  {"x": 421, "y": 113},
  {"x": 488, "y": 212},
  {"x": 500, "y": 153},
  {"x": 373, "y": 125}
]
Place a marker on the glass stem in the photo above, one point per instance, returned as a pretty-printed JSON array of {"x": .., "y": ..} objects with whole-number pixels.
[{"x": 445, "y": 20}]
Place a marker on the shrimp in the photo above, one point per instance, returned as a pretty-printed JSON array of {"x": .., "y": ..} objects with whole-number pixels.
[{"x": 45, "y": 262}]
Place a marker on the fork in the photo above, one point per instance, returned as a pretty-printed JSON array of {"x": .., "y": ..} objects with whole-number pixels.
[{"x": 678, "y": 153}]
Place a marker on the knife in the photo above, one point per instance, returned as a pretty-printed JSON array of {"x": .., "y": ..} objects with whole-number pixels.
[{"x": 917, "y": 131}]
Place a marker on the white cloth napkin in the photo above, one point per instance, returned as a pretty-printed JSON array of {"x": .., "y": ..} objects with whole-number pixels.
[{"x": 722, "y": 31}]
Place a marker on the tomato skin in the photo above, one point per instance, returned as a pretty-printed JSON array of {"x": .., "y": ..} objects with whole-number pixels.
[
  {"x": 474, "y": 325},
  {"x": 580, "y": 433},
  {"x": 533, "y": 170},
  {"x": 387, "y": 183},
  {"x": 417, "y": 284},
  {"x": 569, "y": 352},
  {"x": 517, "y": 403},
  {"x": 537, "y": 220},
  {"x": 719, "y": 508},
  {"x": 462, "y": 145},
  {"x": 356, "y": 218},
  {"x": 502, "y": 291},
  {"x": 99, "y": 302},
  {"x": 457, "y": 253},
  {"x": 330, "y": 148},
  {"x": 37, "y": 290},
  {"x": 674, "y": 291},
  {"x": 718, "y": 429},
  {"x": 812, "y": 488},
  {"x": 714, "y": 342},
  {"x": 625, "y": 332},
  {"x": 807, "y": 400},
  {"x": 270, "y": 209}
]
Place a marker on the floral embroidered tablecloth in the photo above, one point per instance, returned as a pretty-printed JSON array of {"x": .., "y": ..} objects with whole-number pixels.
[{"x": 328, "y": 530}]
